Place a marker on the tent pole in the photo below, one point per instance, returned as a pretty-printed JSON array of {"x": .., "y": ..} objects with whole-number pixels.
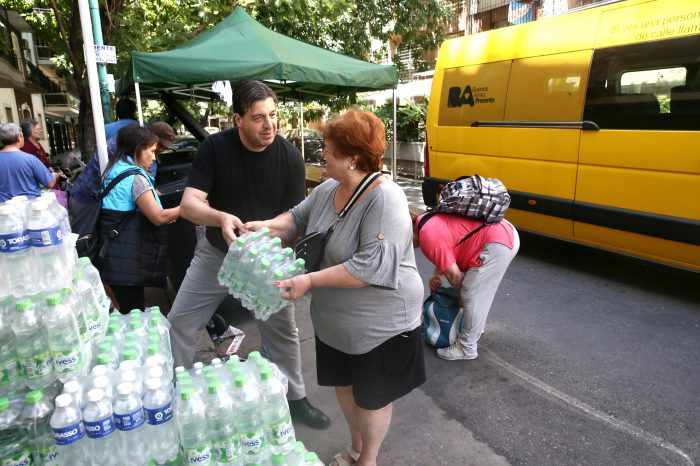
[
  {"x": 138, "y": 102},
  {"x": 393, "y": 151},
  {"x": 301, "y": 112}
]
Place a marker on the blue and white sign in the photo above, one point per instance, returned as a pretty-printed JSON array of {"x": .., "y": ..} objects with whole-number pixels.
[{"x": 106, "y": 54}]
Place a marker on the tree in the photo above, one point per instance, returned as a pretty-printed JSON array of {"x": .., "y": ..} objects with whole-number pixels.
[{"x": 348, "y": 27}]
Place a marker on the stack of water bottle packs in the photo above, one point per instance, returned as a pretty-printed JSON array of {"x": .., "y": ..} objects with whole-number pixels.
[
  {"x": 51, "y": 318},
  {"x": 99, "y": 417},
  {"x": 253, "y": 263},
  {"x": 237, "y": 414}
]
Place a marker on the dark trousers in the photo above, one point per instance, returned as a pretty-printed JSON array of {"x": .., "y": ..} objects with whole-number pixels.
[{"x": 129, "y": 297}]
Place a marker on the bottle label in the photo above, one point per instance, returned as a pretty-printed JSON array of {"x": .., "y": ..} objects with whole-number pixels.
[
  {"x": 198, "y": 456},
  {"x": 37, "y": 366},
  {"x": 45, "y": 237},
  {"x": 282, "y": 433},
  {"x": 100, "y": 428},
  {"x": 9, "y": 372},
  {"x": 253, "y": 442},
  {"x": 95, "y": 328},
  {"x": 21, "y": 458},
  {"x": 159, "y": 415},
  {"x": 129, "y": 421},
  {"x": 227, "y": 450},
  {"x": 66, "y": 361},
  {"x": 50, "y": 455},
  {"x": 69, "y": 434},
  {"x": 14, "y": 242}
]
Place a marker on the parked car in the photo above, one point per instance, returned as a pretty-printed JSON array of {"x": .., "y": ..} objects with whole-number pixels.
[
  {"x": 313, "y": 144},
  {"x": 186, "y": 143}
]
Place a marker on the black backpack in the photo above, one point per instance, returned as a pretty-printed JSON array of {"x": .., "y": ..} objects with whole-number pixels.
[
  {"x": 84, "y": 224},
  {"x": 475, "y": 197}
]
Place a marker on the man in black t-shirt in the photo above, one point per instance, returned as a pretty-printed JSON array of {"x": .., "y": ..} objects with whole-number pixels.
[{"x": 243, "y": 174}]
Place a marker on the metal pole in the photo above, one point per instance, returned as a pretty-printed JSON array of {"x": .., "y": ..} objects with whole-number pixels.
[
  {"x": 138, "y": 102},
  {"x": 393, "y": 152},
  {"x": 90, "y": 65},
  {"x": 301, "y": 119},
  {"x": 101, "y": 67}
]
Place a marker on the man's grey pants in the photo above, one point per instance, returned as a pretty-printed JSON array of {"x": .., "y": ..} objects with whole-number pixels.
[
  {"x": 479, "y": 287},
  {"x": 196, "y": 301}
]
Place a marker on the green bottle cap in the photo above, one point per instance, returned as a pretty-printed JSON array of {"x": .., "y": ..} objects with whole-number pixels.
[
  {"x": 154, "y": 340},
  {"x": 213, "y": 389},
  {"x": 278, "y": 275},
  {"x": 277, "y": 458},
  {"x": 186, "y": 383},
  {"x": 4, "y": 403},
  {"x": 240, "y": 381},
  {"x": 153, "y": 349},
  {"x": 130, "y": 336},
  {"x": 299, "y": 446},
  {"x": 300, "y": 263},
  {"x": 53, "y": 299},
  {"x": 265, "y": 374},
  {"x": 240, "y": 241},
  {"x": 254, "y": 355},
  {"x": 108, "y": 339},
  {"x": 66, "y": 291},
  {"x": 287, "y": 252},
  {"x": 311, "y": 458},
  {"x": 265, "y": 264},
  {"x": 104, "y": 359},
  {"x": 105, "y": 347},
  {"x": 78, "y": 276},
  {"x": 129, "y": 355},
  {"x": 264, "y": 231},
  {"x": 33, "y": 397},
  {"x": 186, "y": 394},
  {"x": 23, "y": 304},
  {"x": 135, "y": 312},
  {"x": 155, "y": 309},
  {"x": 135, "y": 324},
  {"x": 156, "y": 319},
  {"x": 84, "y": 261},
  {"x": 113, "y": 328}
]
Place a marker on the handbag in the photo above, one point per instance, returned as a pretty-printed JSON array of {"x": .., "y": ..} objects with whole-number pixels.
[
  {"x": 443, "y": 319},
  {"x": 311, "y": 246},
  {"x": 85, "y": 222}
]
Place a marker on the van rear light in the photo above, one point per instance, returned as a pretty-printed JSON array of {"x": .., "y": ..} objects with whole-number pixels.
[{"x": 426, "y": 160}]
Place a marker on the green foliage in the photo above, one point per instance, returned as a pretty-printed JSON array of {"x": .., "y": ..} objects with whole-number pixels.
[{"x": 410, "y": 120}]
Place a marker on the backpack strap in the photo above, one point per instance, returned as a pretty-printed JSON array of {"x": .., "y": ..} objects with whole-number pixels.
[
  {"x": 425, "y": 219},
  {"x": 126, "y": 173},
  {"x": 471, "y": 233}
]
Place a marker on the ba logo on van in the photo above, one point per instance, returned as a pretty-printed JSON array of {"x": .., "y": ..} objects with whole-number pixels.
[{"x": 456, "y": 96}]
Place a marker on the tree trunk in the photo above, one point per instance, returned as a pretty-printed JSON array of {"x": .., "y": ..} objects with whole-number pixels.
[{"x": 88, "y": 142}]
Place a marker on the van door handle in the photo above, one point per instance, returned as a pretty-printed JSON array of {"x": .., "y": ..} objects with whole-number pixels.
[{"x": 588, "y": 125}]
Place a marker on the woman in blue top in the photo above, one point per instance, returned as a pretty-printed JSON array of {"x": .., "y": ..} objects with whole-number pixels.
[{"x": 138, "y": 251}]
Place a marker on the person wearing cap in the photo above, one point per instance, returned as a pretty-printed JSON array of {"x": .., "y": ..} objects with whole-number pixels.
[
  {"x": 85, "y": 188},
  {"x": 20, "y": 173}
]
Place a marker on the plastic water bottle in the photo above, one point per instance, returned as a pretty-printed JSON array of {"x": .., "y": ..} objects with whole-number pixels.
[
  {"x": 234, "y": 254},
  {"x": 192, "y": 427},
  {"x": 129, "y": 419},
  {"x": 15, "y": 449},
  {"x": 64, "y": 340},
  {"x": 161, "y": 431},
  {"x": 70, "y": 301},
  {"x": 69, "y": 432},
  {"x": 258, "y": 278},
  {"x": 74, "y": 388},
  {"x": 35, "y": 418},
  {"x": 157, "y": 321},
  {"x": 311, "y": 459},
  {"x": 275, "y": 413},
  {"x": 61, "y": 214},
  {"x": 16, "y": 255},
  {"x": 157, "y": 373},
  {"x": 245, "y": 269},
  {"x": 296, "y": 456},
  {"x": 9, "y": 368},
  {"x": 33, "y": 352},
  {"x": 220, "y": 414},
  {"x": 92, "y": 275},
  {"x": 84, "y": 293},
  {"x": 8, "y": 415},
  {"x": 99, "y": 427},
  {"x": 249, "y": 424},
  {"x": 47, "y": 243}
]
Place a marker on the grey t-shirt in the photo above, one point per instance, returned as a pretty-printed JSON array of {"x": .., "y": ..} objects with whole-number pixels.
[{"x": 374, "y": 244}]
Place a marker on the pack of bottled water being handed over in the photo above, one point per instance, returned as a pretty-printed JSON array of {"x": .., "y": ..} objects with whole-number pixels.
[{"x": 253, "y": 263}]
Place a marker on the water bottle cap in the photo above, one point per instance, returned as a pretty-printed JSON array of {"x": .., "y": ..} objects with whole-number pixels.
[
  {"x": 84, "y": 261},
  {"x": 240, "y": 241},
  {"x": 153, "y": 384},
  {"x": 135, "y": 324},
  {"x": 135, "y": 312},
  {"x": 78, "y": 276},
  {"x": 71, "y": 386},
  {"x": 96, "y": 394},
  {"x": 240, "y": 381},
  {"x": 300, "y": 262},
  {"x": 186, "y": 382},
  {"x": 277, "y": 458},
  {"x": 265, "y": 374},
  {"x": 101, "y": 381},
  {"x": 23, "y": 304},
  {"x": 155, "y": 372},
  {"x": 129, "y": 355},
  {"x": 299, "y": 446},
  {"x": 125, "y": 388},
  {"x": 180, "y": 370},
  {"x": 233, "y": 362},
  {"x": 156, "y": 318},
  {"x": 153, "y": 349},
  {"x": 130, "y": 336},
  {"x": 4, "y": 403},
  {"x": 99, "y": 369},
  {"x": 216, "y": 362},
  {"x": 128, "y": 376},
  {"x": 127, "y": 365},
  {"x": 186, "y": 394},
  {"x": 213, "y": 388},
  {"x": 311, "y": 457},
  {"x": 182, "y": 375},
  {"x": 53, "y": 299},
  {"x": 211, "y": 377},
  {"x": 105, "y": 347},
  {"x": 278, "y": 275},
  {"x": 198, "y": 365},
  {"x": 33, "y": 396},
  {"x": 264, "y": 231},
  {"x": 265, "y": 264},
  {"x": 66, "y": 291},
  {"x": 155, "y": 309},
  {"x": 288, "y": 252},
  {"x": 103, "y": 359},
  {"x": 254, "y": 355},
  {"x": 252, "y": 253},
  {"x": 208, "y": 370},
  {"x": 113, "y": 328},
  {"x": 276, "y": 241},
  {"x": 154, "y": 338},
  {"x": 63, "y": 400}
]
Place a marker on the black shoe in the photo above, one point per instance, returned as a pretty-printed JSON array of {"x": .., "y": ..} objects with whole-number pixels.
[{"x": 302, "y": 411}]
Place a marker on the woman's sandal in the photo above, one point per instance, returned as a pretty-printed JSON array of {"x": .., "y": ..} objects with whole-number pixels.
[{"x": 340, "y": 460}]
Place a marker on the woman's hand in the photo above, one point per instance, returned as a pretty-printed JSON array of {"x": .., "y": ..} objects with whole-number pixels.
[
  {"x": 295, "y": 287},
  {"x": 435, "y": 282},
  {"x": 255, "y": 225}
]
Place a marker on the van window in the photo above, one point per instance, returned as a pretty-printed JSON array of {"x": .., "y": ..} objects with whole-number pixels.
[
  {"x": 652, "y": 85},
  {"x": 473, "y": 93},
  {"x": 548, "y": 88}
]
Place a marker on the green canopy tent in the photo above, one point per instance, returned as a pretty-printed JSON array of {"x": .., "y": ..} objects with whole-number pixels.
[{"x": 241, "y": 48}]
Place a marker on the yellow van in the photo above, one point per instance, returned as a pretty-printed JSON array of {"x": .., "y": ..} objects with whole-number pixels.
[{"x": 591, "y": 119}]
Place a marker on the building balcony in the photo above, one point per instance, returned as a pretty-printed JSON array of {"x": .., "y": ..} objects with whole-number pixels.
[
  {"x": 61, "y": 103},
  {"x": 44, "y": 55}
]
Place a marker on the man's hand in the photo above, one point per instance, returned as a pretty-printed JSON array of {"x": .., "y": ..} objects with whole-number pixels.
[
  {"x": 435, "y": 282},
  {"x": 295, "y": 287},
  {"x": 228, "y": 224}
]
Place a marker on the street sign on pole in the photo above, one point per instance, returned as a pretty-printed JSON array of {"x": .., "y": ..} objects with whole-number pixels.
[{"x": 106, "y": 54}]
